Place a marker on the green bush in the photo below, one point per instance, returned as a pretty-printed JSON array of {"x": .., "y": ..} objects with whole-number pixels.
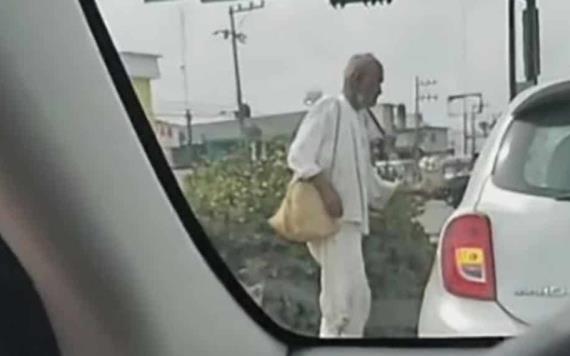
[
  {"x": 233, "y": 198},
  {"x": 237, "y": 190},
  {"x": 398, "y": 251}
]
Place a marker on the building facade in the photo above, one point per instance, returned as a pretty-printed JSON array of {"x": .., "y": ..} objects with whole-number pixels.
[
  {"x": 407, "y": 133},
  {"x": 142, "y": 68},
  {"x": 216, "y": 137}
]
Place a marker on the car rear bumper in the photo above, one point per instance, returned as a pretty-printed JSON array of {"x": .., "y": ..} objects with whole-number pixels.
[{"x": 444, "y": 315}]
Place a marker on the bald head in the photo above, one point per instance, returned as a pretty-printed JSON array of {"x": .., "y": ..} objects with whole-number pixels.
[
  {"x": 361, "y": 64},
  {"x": 363, "y": 77}
]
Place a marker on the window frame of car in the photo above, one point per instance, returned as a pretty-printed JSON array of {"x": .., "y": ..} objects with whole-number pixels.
[
  {"x": 500, "y": 175},
  {"x": 212, "y": 258}
]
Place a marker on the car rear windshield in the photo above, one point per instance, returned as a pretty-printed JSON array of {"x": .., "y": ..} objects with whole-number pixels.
[{"x": 535, "y": 155}]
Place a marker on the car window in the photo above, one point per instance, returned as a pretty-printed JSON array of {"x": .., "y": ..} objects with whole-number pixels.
[
  {"x": 247, "y": 99},
  {"x": 536, "y": 153}
]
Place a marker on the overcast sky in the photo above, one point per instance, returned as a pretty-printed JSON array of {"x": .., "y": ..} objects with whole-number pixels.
[{"x": 297, "y": 45}]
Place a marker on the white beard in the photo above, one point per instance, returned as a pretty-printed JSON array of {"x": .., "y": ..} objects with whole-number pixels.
[{"x": 360, "y": 100}]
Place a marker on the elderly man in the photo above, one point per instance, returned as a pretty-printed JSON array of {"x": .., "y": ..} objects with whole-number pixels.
[{"x": 331, "y": 149}]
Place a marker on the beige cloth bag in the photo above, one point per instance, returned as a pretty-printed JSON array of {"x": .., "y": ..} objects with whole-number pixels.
[{"x": 302, "y": 216}]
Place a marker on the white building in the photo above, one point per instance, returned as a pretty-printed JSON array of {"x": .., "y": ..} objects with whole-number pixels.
[{"x": 142, "y": 69}]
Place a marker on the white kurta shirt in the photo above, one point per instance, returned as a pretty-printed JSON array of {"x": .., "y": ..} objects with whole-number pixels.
[{"x": 353, "y": 175}]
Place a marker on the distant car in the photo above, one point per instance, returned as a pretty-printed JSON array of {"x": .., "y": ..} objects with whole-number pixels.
[
  {"x": 431, "y": 183},
  {"x": 454, "y": 189},
  {"x": 456, "y": 173},
  {"x": 444, "y": 178},
  {"x": 396, "y": 169},
  {"x": 502, "y": 259}
]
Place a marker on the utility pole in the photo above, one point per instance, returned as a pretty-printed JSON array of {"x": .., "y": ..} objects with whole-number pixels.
[
  {"x": 188, "y": 117},
  {"x": 465, "y": 134},
  {"x": 475, "y": 109},
  {"x": 494, "y": 118},
  {"x": 487, "y": 126},
  {"x": 233, "y": 37},
  {"x": 419, "y": 96},
  {"x": 184, "y": 69},
  {"x": 236, "y": 37}
]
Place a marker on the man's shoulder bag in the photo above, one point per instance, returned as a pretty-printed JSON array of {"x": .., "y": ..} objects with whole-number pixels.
[{"x": 302, "y": 216}]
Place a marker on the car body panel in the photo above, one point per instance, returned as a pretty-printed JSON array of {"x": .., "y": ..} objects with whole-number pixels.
[
  {"x": 530, "y": 243},
  {"x": 445, "y": 315},
  {"x": 437, "y": 315},
  {"x": 83, "y": 209}
]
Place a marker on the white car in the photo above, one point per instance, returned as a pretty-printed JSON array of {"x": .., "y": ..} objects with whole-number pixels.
[{"x": 503, "y": 257}]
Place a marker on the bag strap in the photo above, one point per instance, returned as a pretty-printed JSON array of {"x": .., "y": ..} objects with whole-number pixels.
[
  {"x": 376, "y": 123},
  {"x": 336, "y": 134}
]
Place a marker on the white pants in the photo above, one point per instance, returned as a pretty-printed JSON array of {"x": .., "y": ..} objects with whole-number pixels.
[{"x": 345, "y": 295}]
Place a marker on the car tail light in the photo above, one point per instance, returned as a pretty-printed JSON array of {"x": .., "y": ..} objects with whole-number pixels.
[{"x": 467, "y": 258}]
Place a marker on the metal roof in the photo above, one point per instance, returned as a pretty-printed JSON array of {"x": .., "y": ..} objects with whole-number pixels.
[{"x": 271, "y": 126}]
